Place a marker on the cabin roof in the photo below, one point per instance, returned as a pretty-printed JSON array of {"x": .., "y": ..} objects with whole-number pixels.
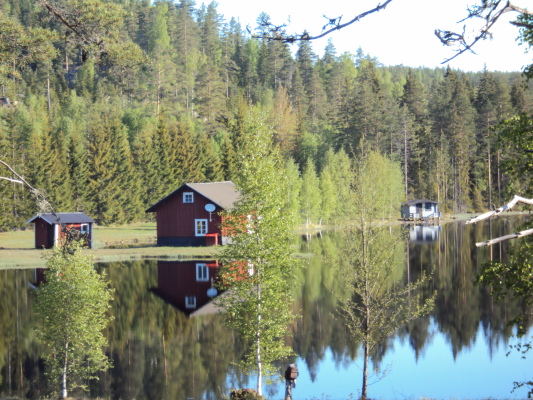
[
  {"x": 223, "y": 194},
  {"x": 64, "y": 218},
  {"x": 417, "y": 201}
]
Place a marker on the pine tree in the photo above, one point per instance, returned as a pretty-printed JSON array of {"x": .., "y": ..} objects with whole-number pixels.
[
  {"x": 188, "y": 154},
  {"x": 453, "y": 116},
  {"x": 418, "y": 145},
  {"x": 103, "y": 178},
  {"x": 285, "y": 122},
  {"x": 364, "y": 113},
  {"x": 186, "y": 42},
  {"x": 127, "y": 196},
  {"x": 208, "y": 159},
  {"x": 162, "y": 146},
  {"x": 228, "y": 159},
  {"x": 210, "y": 95},
  {"x": 78, "y": 172},
  {"x": 209, "y": 23},
  {"x": 486, "y": 107},
  {"x": 146, "y": 163},
  {"x": 316, "y": 95}
]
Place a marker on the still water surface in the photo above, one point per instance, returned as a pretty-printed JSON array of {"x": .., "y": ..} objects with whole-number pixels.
[{"x": 166, "y": 343}]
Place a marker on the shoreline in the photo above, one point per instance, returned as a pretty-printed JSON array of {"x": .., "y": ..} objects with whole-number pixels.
[{"x": 16, "y": 256}]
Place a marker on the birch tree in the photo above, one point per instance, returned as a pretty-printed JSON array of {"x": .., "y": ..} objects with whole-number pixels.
[
  {"x": 377, "y": 302},
  {"x": 258, "y": 269},
  {"x": 71, "y": 308}
]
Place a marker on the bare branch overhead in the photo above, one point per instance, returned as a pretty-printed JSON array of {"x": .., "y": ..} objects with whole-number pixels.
[
  {"x": 270, "y": 31},
  {"x": 490, "y": 11}
]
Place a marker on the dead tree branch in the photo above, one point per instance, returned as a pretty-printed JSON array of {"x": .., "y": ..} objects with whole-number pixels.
[
  {"x": 504, "y": 238},
  {"x": 5, "y": 178},
  {"x": 278, "y": 32},
  {"x": 43, "y": 205},
  {"x": 508, "y": 206},
  {"x": 490, "y": 11}
]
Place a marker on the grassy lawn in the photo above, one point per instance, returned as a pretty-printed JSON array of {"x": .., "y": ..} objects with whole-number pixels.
[{"x": 110, "y": 243}]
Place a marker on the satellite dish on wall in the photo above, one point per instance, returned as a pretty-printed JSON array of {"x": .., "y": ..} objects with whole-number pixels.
[{"x": 209, "y": 208}]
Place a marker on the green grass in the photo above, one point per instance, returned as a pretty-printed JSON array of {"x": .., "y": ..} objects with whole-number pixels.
[{"x": 110, "y": 243}]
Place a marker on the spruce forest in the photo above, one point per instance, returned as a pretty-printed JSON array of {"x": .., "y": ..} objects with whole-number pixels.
[{"x": 110, "y": 106}]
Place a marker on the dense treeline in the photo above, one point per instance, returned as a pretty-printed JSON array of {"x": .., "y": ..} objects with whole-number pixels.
[{"x": 112, "y": 117}]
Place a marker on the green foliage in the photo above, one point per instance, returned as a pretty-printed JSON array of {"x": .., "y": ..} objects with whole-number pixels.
[
  {"x": 514, "y": 138},
  {"x": 258, "y": 270},
  {"x": 310, "y": 197},
  {"x": 71, "y": 307},
  {"x": 512, "y": 279},
  {"x": 146, "y": 61},
  {"x": 375, "y": 303},
  {"x": 20, "y": 46}
]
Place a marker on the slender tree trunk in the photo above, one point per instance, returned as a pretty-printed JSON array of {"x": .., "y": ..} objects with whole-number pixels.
[
  {"x": 365, "y": 371},
  {"x": 258, "y": 346},
  {"x": 499, "y": 177},
  {"x": 490, "y": 176},
  {"x": 404, "y": 157},
  {"x": 48, "y": 91},
  {"x": 64, "y": 376}
]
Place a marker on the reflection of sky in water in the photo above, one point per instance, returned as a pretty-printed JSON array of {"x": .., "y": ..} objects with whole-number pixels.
[{"x": 473, "y": 375}]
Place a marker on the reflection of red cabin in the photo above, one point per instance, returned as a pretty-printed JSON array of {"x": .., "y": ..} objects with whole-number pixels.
[
  {"x": 187, "y": 285},
  {"x": 189, "y": 216},
  {"x": 48, "y": 227}
]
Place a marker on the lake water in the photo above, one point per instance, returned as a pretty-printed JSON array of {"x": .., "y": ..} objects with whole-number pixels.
[{"x": 166, "y": 342}]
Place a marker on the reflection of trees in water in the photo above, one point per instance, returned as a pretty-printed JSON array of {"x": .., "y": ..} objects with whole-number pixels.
[
  {"x": 159, "y": 353},
  {"x": 20, "y": 372},
  {"x": 462, "y": 305}
]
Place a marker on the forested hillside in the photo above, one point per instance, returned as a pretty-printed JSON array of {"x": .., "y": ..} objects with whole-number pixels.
[{"x": 109, "y": 106}]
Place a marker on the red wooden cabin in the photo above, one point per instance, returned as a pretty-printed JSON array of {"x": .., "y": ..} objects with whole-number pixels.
[
  {"x": 49, "y": 228},
  {"x": 190, "y": 216}
]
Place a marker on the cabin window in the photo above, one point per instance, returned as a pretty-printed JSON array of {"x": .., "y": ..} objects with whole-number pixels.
[
  {"x": 202, "y": 272},
  {"x": 190, "y": 301},
  {"x": 428, "y": 206},
  {"x": 188, "y": 197},
  {"x": 84, "y": 228},
  {"x": 200, "y": 227}
]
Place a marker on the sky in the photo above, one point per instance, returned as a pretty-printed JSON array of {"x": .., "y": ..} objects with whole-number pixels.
[{"x": 403, "y": 33}]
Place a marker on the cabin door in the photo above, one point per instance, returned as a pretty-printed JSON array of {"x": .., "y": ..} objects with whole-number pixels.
[{"x": 50, "y": 235}]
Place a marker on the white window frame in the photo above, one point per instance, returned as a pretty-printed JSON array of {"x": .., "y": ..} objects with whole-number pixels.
[
  {"x": 84, "y": 228},
  {"x": 188, "y": 197},
  {"x": 201, "y": 231},
  {"x": 190, "y": 301},
  {"x": 202, "y": 272}
]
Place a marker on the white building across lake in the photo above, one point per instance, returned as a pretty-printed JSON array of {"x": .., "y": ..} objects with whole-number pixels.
[{"x": 420, "y": 209}]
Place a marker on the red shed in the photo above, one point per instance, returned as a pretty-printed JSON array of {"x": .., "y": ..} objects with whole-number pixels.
[
  {"x": 189, "y": 216},
  {"x": 48, "y": 227}
]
